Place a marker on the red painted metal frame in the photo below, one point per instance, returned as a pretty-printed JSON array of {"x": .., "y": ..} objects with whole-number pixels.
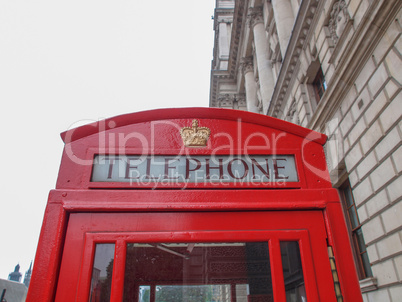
[
  {"x": 229, "y": 227},
  {"x": 121, "y": 239},
  {"x": 75, "y": 193}
]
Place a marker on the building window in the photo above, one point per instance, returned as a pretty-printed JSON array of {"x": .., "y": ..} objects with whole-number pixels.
[
  {"x": 319, "y": 85},
  {"x": 352, "y": 219}
]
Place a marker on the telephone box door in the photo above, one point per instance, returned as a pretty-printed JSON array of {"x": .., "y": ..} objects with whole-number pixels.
[{"x": 196, "y": 256}]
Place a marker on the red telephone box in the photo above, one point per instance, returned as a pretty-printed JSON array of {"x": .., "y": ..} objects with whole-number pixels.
[{"x": 194, "y": 204}]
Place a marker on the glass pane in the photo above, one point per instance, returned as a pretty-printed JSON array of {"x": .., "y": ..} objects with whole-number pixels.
[
  {"x": 360, "y": 240},
  {"x": 241, "y": 292},
  {"x": 293, "y": 272},
  {"x": 145, "y": 293},
  {"x": 348, "y": 196},
  {"x": 211, "y": 292},
  {"x": 175, "y": 272},
  {"x": 366, "y": 265},
  {"x": 101, "y": 281},
  {"x": 354, "y": 221}
]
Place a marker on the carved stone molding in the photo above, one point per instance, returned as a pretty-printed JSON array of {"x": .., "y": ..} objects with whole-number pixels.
[
  {"x": 260, "y": 107},
  {"x": 339, "y": 18},
  {"x": 225, "y": 100},
  {"x": 254, "y": 16},
  {"x": 246, "y": 64},
  {"x": 240, "y": 14},
  {"x": 291, "y": 116},
  {"x": 232, "y": 100},
  {"x": 226, "y": 21}
]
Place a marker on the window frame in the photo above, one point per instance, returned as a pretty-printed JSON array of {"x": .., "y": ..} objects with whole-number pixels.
[
  {"x": 363, "y": 269},
  {"x": 319, "y": 84}
]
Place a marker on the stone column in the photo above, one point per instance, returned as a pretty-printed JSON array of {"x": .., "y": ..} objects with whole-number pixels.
[
  {"x": 267, "y": 82},
  {"x": 284, "y": 20},
  {"x": 250, "y": 84}
]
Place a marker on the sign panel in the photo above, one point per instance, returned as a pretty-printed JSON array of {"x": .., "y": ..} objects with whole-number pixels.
[{"x": 168, "y": 169}]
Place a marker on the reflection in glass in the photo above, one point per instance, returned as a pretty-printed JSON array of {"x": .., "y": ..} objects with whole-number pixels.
[
  {"x": 354, "y": 220},
  {"x": 101, "y": 281},
  {"x": 212, "y": 292},
  {"x": 293, "y": 272},
  {"x": 144, "y": 293},
  {"x": 175, "y": 272}
]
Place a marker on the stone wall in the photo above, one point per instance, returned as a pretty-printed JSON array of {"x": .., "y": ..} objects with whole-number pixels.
[
  {"x": 357, "y": 45},
  {"x": 370, "y": 129},
  {"x": 362, "y": 117}
]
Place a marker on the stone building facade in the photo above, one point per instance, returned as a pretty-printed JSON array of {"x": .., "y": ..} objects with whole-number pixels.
[{"x": 334, "y": 66}]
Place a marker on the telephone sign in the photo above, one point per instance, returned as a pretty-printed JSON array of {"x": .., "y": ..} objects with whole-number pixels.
[{"x": 194, "y": 169}]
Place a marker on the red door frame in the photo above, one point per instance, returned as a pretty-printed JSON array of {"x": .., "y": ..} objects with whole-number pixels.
[
  {"x": 306, "y": 228},
  {"x": 75, "y": 193}
]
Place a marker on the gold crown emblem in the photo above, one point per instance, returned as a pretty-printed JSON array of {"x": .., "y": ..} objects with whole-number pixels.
[{"x": 195, "y": 136}]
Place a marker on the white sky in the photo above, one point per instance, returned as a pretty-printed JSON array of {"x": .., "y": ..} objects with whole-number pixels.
[{"x": 65, "y": 63}]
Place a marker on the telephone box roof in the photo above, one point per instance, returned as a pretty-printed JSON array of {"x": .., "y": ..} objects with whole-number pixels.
[{"x": 191, "y": 112}]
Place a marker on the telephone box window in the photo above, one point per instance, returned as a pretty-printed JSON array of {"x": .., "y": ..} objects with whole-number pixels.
[
  {"x": 175, "y": 272},
  {"x": 293, "y": 272},
  {"x": 101, "y": 282}
]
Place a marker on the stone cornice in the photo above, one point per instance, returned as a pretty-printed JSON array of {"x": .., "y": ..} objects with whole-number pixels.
[{"x": 223, "y": 15}]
